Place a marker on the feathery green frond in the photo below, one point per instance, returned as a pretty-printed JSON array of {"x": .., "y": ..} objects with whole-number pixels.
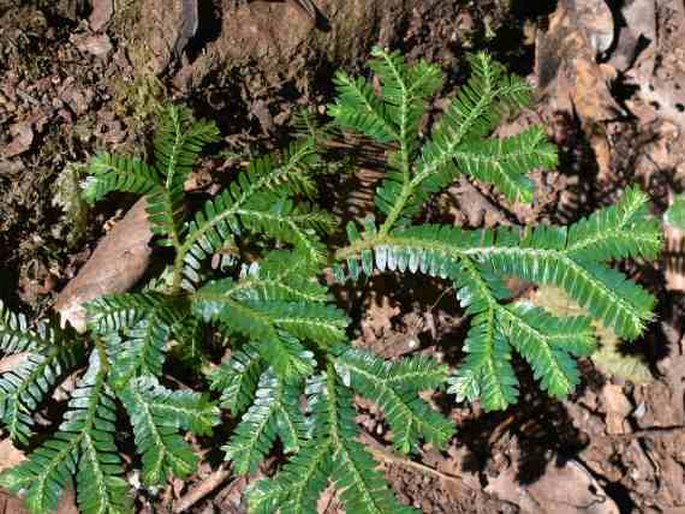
[
  {"x": 165, "y": 216},
  {"x": 487, "y": 372},
  {"x": 505, "y": 162},
  {"x": 405, "y": 91},
  {"x": 540, "y": 255},
  {"x": 257, "y": 200},
  {"x": 157, "y": 414},
  {"x": 287, "y": 357},
  {"x": 117, "y": 312},
  {"x": 275, "y": 412},
  {"x": 299, "y": 484},
  {"x": 237, "y": 378},
  {"x": 621, "y": 231},
  {"x": 609, "y": 357},
  {"x": 282, "y": 275},
  {"x": 179, "y": 140},
  {"x": 84, "y": 445},
  {"x": 136, "y": 328},
  {"x": 548, "y": 344},
  {"x": 260, "y": 320},
  {"x": 141, "y": 352},
  {"x": 332, "y": 452},
  {"x": 23, "y": 389},
  {"x": 394, "y": 388},
  {"x": 116, "y": 173},
  {"x": 16, "y": 335},
  {"x": 567, "y": 257},
  {"x": 362, "y": 487},
  {"x": 357, "y": 107},
  {"x": 100, "y": 484},
  {"x": 488, "y": 95}
]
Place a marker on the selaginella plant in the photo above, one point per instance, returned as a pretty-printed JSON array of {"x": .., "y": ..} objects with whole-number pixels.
[{"x": 292, "y": 374}]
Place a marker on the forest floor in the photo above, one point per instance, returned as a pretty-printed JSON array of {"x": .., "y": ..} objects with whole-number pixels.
[{"x": 77, "y": 77}]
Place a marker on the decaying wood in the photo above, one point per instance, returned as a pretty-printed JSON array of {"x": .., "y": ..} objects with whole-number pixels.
[{"x": 118, "y": 262}]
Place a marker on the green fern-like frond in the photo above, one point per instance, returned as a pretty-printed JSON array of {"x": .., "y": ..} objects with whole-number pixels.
[
  {"x": 136, "y": 328},
  {"x": 506, "y": 162},
  {"x": 179, "y": 141},
  {"x": 359, "y": 108},
  {"x": 457, "y": 144},
  {"x": 287, "y": 356},
  {"x": 363, "y": 488},
  {"x": 84, "y": 445},
  {"x": 282, "y": 275},
  {"x": 110, "y": 173},
  {"x": 608, "y": 358},
  {"x": 119, "y": 312},
  {"x": 237, "y": 379},
  {"x": 157, "y": 415},
  {"x": 332, "y": 451},
  {"x": 548, "y": 344},
  {"x": 23, "y": 389},
  {"x": 405, "y": 91},
  {"x": 299, "y": 484},
  {"x": 487, "y": 372},
  {"x": 395, "y": 387},
  {"x": 258, "y": 200},
  {"x": 621, "y": 231},
  {"x": 177, "y": 145},
  {"x": 540, "y": 255},
  {"x": 488, "y": 95},
  {"x": 571, "y": 258},
  {"x": 141, "y": 352},
  {"x": 257, "y": 319},
  {"x": 275, "y": 412},
  {"x": 17, "y": 335}
]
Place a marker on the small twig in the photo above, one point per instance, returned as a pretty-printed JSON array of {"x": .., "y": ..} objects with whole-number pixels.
[
  {"x": 387, "y": 456},
  {"x": 205, "y": 487},
  {"x": 648, "y": 432},
  {"x": 500, "y": 429},
  {"x": 27, "y": 97}
]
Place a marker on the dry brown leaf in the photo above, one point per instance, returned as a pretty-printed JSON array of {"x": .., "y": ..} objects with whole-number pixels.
[
  {"x": 10, "y": 504},
  {"x": 117, "y": 263},
  {"x": 566, "y": 489},
  {"x": 569, "y": 74},
  {"x": 22, "y": 139},
  {"x": 101, "y": 13},
  {"x": 566, "y": 65},
  {"x": 67, "y": 504},
  {"x": 10, "y": 362},
  {"x": 9, "y": 455},
  {"x": 97, "y": 45}
]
